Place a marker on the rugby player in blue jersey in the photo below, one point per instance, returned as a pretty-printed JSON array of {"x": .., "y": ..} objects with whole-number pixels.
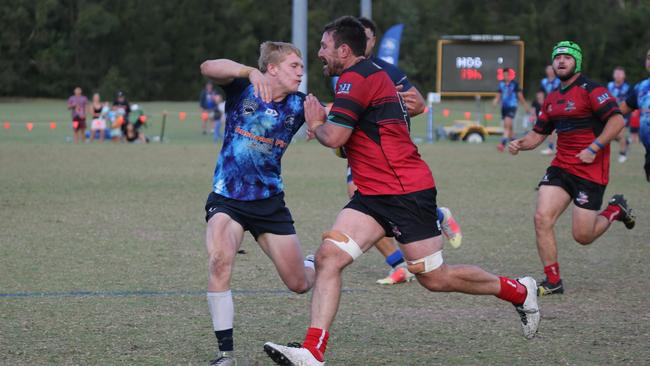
[
  {"x": 620, "y": 90},
  {"x": 509, "y": 94},
  {"x": 639, "y": 98},
  {"x": 264, "y": 110}
]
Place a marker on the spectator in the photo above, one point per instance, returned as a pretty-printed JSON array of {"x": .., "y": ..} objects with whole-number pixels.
[
  {"x": 77, "y": 106},
  {"x": 98, "y": 124},
  {"x": 122, "y": 107},
  {"x": 208, "y": 105}
]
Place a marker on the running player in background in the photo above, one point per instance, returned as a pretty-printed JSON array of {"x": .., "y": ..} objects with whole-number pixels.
[
  {"x": 586, "y": 118},
  {"x": 620, "y": 90},
  {"x": 396, "y": 196},
  {"x": 264, "y": 110},
  {"x": 510, "y": 95},
  {"x": 549, "y": 84},
  {"x": 639, "y": 99}
]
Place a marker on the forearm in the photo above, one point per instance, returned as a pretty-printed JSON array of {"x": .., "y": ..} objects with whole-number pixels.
[
  {"x": 224, "y": 70},
  {"x": 612, "y": 128},
  {"x": 531, "y": 140}
]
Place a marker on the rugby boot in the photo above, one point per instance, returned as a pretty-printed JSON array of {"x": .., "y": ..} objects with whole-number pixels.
[
  {"x": 397, "y": 275},
  {"x": 224, "y": 359},
  {"x": 293, "y": 354},
  {"x": 450, "y": 228},
  {"x": 529, "y": 310},
  {"x": 626, "y": 216},
  {"x": 546, "y": 288}
]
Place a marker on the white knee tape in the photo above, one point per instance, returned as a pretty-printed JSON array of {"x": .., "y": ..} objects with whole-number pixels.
[
  {"x": 344, "y": 242},
  {"x": 426, "y": 264}
]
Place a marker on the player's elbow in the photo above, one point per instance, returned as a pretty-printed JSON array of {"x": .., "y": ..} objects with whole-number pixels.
[{"x": 205, "y": 67}]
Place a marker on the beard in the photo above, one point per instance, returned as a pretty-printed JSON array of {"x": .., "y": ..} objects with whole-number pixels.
[{"x": 566, "y": 77}]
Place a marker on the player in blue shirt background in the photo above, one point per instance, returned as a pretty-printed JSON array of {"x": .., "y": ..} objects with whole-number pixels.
[
  {"x": 264, "y": 111},
  {"x": 510, "y": 95},
  {"x": 639, "y": 98},
  {"x": 620, "y": 90},
  {"x": 549, "y": 84}
]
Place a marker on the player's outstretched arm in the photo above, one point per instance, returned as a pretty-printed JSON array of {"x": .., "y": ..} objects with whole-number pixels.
[
  {"x": 223, "y": 71},
  {"x": 528, "y": 142}
]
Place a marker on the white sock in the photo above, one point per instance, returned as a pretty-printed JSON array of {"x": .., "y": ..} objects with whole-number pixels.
[
  {"x": 309, "y": 264},
  {"x": 222, "y": 309}
]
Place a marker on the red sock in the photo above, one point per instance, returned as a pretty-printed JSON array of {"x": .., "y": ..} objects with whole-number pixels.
[
  {"x": 512, "y": 291},
  {"x": 611, "y": 213},
  {"x": 316, "y": 342},
  {"x": 553, "y": 272}
]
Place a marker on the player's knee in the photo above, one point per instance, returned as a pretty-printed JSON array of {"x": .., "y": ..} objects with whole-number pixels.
[
  {"x": 329, "y": 257},
  {"x": 543, "y": 221},
  {"x": 583, "y": 238},
  {"x": 299, "y": 285},
  {"x": 436, "y": 280},
  {"x": 343, "y": 251},
  {"x": 218, "y": 262}
]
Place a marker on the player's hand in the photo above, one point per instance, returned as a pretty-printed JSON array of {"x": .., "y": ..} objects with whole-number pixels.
[
  {"x": 411, "y": 100},
  {"x": 314, "y": 112},
  {"x": 514, "y": 146},
  {"x": 310, "y": 135},
  {"x": 586, "y": 156},
  {"x": 261, "y": 86}
]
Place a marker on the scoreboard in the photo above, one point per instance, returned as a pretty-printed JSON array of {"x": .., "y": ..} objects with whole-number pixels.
[{"x": 469, "y": 67}]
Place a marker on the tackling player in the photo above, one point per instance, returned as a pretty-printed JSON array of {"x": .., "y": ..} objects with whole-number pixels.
[
  {"x": 396, "y": 196},
  {"x": 586, "y": 118},
  {"x": 264, "y": 110}
]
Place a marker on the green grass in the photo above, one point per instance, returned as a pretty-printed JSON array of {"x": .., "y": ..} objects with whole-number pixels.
[{"x": 118, "y": 219}]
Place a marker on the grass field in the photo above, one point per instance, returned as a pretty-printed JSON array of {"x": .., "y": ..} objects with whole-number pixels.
[{"x": 102, "y": 258}]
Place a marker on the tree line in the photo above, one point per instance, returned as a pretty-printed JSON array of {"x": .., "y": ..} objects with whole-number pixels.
[{"x": 152, "y": 49}]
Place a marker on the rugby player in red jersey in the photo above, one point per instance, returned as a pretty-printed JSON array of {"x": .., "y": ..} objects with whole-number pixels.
[
  {"x": 586, "y": 118},
  {"x": 396, "y": 196}
]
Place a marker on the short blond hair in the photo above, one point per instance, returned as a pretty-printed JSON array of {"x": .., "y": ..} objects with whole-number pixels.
[{"x": 274, "y": 53}]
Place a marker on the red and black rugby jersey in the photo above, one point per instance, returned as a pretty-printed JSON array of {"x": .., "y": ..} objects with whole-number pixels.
[
  {"x": 380, "y": 152},
  {"x": 578, "y": 114}
]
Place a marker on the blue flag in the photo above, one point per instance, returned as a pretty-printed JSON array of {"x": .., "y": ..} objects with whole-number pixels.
[{"x": 389, "y": 46}]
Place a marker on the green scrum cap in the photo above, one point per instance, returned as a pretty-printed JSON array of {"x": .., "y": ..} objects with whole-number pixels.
[{"x": 569, "y": 48}]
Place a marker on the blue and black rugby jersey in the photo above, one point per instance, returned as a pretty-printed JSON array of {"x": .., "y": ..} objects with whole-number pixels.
[
  {"x": 619, "y": 92},
  {"x": 509, "y": 94},
  {"x": 639, "y": 98},
  {"x": 395, "y": 74},
  {"x": 549, "y": 86},
  {"x": 256, "y": 136}
]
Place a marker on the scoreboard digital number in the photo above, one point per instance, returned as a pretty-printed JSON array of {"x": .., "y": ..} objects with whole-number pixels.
[{"x": 468, "y": 68}]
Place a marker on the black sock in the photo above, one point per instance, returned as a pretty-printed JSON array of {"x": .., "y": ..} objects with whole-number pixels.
[{"x": 224, "y": 339}]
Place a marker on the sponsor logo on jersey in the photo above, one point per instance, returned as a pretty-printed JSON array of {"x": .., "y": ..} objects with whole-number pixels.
[
  {"x": 271, "y": 112},
  {"x": 289, "y": 122},
  {"x": 344, "y": 88},
  {"x": 582, "y": 198},
  {"x": 249, "y": 106},
  {"x": 603, "y": 98},
  {"x": 570, "y": 106}
]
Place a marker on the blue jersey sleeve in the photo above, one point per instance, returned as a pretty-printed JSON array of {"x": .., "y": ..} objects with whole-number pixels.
[{"x": 396, "y": 75}]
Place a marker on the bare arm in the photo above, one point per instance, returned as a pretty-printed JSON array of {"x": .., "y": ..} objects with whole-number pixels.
[
  {"x": 612, "y": 128},
  {"x": 528, "y": 142},
  {"x": 413, "y": 100},
  {"x": 496, "y": 100},
  {"x": 223, "y": 71},
  {"x": 328, "y": 134}
]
